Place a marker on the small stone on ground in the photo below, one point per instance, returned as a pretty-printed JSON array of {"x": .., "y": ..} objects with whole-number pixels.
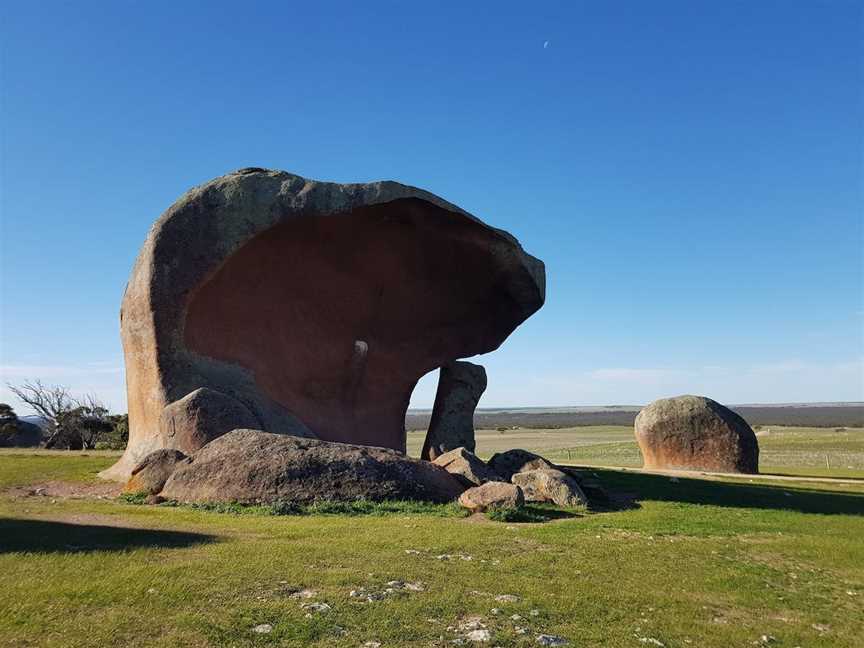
[
  {"x": 479, "y": 636},
  {"x": 552, "y": 640}
]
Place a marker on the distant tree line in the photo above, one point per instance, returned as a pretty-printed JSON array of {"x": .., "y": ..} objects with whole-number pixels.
[{"x": 68, "y": 423}]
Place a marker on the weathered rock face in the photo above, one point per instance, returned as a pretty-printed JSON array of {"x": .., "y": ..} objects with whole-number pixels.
[
  {"x": 492, "y": 494},
  {"x": 466, "y": 466},
  {"x": 316, "y": 306},
  {"x": 550, "y": 486},
  {"x": 150, "y": 475},
  {"x": 253, "y": 467},
  {"x": 695, "y": 433},
  {"x": 514, "y": 461},
  {"x": 460, "y": 386},
  {"x": 202, "y": 416}
]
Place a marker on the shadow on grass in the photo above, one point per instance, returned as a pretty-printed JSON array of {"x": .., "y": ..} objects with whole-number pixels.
[
  {"x": 45, "y": 536},
  {"x": 642, "y": 487},
  {"x": 816, "y": 475},
  {"x": 532, "y": 513}
]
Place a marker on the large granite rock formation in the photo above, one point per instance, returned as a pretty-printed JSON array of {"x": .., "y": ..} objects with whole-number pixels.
[
  {"x": 254, "y": 467},
  {"x": 695, "y": 433},
  {"x": 460, "y": 386},
  {"x": 310, "y": 308}
]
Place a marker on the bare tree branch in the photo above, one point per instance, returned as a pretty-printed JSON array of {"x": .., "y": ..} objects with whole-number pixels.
[{"x": 51, "y": 403}]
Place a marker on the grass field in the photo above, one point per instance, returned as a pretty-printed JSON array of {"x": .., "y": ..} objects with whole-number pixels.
[
  {"x": 828, "y": 452},
  {"x": 692, "y": 563}
]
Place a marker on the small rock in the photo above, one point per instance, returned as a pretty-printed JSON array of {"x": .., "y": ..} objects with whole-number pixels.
[
  {"x": 507, "y": 598},
  {"x": 534, "y": 613},
  {"x": 264, "y": 628},
  {"x": 514, "y": 461},
  {"x": 492, "y": 494},
  {"x": 472, "y": 623},
  {"x": 369, "y": 595},
  {"x": 466, "y": 467},
  {"x": 303, "y": 594},
  {"x": 372, "y": 644},
  {"x": 515, "y": 617},
  {"x": 549, "y": 485},
  {"x": 552, "y": 640},
  {"x": 316, "y": 607},
  {"x": 479, "y": 636}
]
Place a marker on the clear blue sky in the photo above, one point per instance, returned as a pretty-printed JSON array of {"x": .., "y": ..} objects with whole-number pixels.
[{"x": 690, "y": 172}]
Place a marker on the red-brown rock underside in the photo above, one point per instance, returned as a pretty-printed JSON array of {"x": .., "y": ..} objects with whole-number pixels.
[{"x": 338, "y": 316}]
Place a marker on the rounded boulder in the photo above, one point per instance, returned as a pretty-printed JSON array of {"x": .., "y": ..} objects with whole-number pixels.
[{"x": 695, "y": 433}]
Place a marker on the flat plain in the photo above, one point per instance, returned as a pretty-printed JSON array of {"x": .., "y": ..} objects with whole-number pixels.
[
  {"x": 805, "y": 451},
  {"x": 673, "y": 561}
]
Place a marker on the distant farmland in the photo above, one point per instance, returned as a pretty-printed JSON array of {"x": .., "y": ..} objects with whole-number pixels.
[{"x": 818, "y": 415}]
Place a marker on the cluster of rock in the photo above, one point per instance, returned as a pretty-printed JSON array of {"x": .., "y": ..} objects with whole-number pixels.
[
  {"x": 255, "y": 467},
  {"x": 274, "y": 327},
  {"x": 512, "y": 478}
]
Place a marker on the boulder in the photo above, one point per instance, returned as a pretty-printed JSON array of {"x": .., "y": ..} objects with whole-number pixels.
[
  {"x": 150, "y": 475},
  {"x": 466, "y": 466},
  {"x": 196, "y": 419},
  {"x": 255, "y": 467},
  {"x": 492, "y": 495},
  {"x": 695, "y": 433},
  {"x": 513, "y": 461},
  {"x": 552, "y": 486},
  {"x": 460, "y": 386},
  {"x": 589, "y": 483},
  {"x": 315, "y": 305}
]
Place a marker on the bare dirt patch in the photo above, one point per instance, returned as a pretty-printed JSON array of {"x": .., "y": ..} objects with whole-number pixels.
[{"x": 66, "y": 490}]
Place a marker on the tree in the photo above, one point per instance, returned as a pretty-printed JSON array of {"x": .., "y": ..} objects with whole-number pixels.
[
  {"x": 51, "y": 403},
  {"x": 119, "y": 435},
  {"x": 83, "y": 426},
  {"x": 8, "y": 422},
  {"x": 72, "y": 423}
]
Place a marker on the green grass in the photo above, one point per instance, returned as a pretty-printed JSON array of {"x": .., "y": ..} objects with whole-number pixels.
[
  {"x": 357, "y": 507},
  {"x": 22, "y": 467},
  {"x": 692, "y": 563},
  {"x": 818, "y": 452}
]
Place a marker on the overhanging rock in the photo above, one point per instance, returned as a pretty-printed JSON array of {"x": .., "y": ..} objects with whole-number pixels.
[{"x": 308, "y": 308}]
